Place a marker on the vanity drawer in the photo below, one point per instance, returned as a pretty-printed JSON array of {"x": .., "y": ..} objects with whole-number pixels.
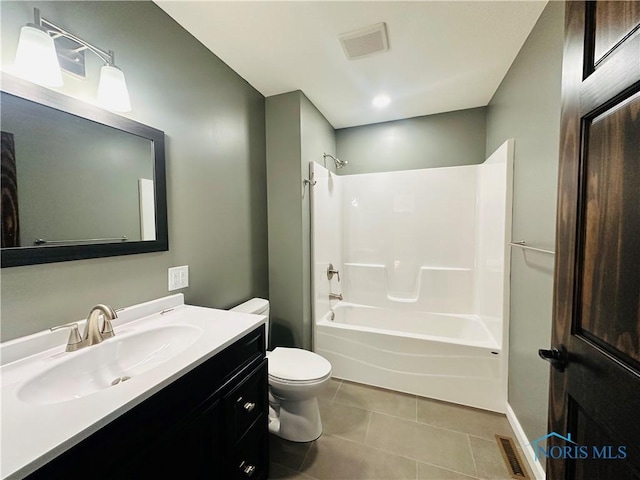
[
  {"x": 241, "y": 354},
  {"x": 246, "y": 402},
  {"x": 250, "y": 458}
]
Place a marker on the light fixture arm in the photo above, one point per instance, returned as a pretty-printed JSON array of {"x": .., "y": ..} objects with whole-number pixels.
[{"x": 56, "y": 31}]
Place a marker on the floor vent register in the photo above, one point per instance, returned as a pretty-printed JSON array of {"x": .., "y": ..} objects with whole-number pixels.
[{"x": 511, "y": 458}]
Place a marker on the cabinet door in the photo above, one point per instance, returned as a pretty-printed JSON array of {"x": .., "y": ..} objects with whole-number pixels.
[
  {"x": 250, "y": 458},
  {"x": 246, "y": 421},
  {"x": 193, "y": 450},
  {"x": 246, "y": 402}
]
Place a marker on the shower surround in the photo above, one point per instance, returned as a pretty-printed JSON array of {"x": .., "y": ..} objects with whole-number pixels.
[{"x": 423, "y": 258}]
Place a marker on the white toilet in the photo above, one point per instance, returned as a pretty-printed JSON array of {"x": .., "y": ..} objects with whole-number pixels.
[{"x": 295, "y": 378}]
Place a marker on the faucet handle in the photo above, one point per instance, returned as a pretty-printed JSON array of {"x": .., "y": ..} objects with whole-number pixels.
[
  {"x": 107, "y": 327},
  {"x": 331, "y": 271},
  {"x": 74, "y": 336}
]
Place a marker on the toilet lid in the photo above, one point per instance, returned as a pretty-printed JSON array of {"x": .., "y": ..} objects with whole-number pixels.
[{"x": 298, "y": 365}]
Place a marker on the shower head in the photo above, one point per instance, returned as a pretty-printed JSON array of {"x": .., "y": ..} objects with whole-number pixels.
[{"x": 339, "y": 163}]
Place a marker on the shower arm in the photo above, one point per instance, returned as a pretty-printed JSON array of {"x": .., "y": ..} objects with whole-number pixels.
[
  {"x": 338, "y": 163},
  {"x": 324, "y": 159}
]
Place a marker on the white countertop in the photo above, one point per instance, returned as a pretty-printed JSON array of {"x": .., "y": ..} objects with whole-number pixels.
[{"x": 33, "y": 434}]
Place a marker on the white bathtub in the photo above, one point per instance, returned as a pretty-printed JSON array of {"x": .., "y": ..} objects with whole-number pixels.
[{"x": 443, "y": 356}]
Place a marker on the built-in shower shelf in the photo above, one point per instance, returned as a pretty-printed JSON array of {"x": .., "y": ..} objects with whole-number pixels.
[
  {"x": 431, "y": 288},
  {"x": 402, "y": 299}
]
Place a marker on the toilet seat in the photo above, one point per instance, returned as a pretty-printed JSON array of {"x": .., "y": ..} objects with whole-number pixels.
[
  {"x": 297, "y": 366},
  {"x": 283, "y": 381}
]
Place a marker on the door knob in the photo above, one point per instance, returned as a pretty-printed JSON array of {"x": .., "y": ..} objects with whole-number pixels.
[{"x": 557, "y": 357}]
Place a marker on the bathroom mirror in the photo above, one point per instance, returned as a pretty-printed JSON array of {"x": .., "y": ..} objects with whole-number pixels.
[{"x": 77, "y": 181}]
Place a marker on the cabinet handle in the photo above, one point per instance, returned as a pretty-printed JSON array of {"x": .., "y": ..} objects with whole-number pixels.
[
  {"x": 248, "y": 406},
  {"x": 248, "y": 470}
]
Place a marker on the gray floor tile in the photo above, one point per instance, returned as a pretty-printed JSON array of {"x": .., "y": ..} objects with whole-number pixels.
[
  {"x": 425, "y": 443},
  {"x": 377, "y": 400},
  {"x": 431, "y": 472},
  {"x": 287, "y": 454},
  {"x": 473, "y": 421},
  {"x": 336, "y": 458},
  {"x": 329, "y": 389},
  {"x": 343, "y": 420},
  {"x": 372, "y": 433},
  {"x": 279, "y": 472},
  {"x": 488, "y": 458}
]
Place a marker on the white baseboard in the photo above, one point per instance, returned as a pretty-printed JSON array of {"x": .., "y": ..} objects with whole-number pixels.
[{"x": 534, "y": 465}]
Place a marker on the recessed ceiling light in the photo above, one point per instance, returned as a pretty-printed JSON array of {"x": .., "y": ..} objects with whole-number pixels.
[{"x": 381, "y": 101}]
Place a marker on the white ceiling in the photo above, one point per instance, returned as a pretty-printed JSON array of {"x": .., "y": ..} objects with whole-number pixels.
[{"x": 444, "y": 55}]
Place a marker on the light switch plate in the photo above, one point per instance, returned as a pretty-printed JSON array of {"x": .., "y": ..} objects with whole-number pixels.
[{"x": 178, "y": 277}]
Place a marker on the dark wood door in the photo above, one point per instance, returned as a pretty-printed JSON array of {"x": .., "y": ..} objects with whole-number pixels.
[{"x": 595, "y": 401}]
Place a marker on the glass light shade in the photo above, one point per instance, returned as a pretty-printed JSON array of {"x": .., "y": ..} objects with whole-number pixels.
[
  {"x": 36, "y": 58},
  {"x": 112, "y": 90}
]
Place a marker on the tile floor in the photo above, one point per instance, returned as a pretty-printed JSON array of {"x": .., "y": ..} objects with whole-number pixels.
[{"x": 371, "y": 433}]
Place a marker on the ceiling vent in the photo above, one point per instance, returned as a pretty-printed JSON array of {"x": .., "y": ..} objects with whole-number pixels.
[{"x": 366, "y": 41}]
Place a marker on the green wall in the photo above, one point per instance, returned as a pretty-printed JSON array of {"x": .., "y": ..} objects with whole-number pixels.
[
  {"x": 442, "y": 140},
  {"x": 285, "y": 219},
  {"x": 297, "y": 133},
  {"x": 526, "y": 107},
  {"x": 215, "y": 133}
]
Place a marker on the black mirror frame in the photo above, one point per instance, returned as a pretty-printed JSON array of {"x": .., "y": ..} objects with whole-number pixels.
[{"x": 13, "y": 257}]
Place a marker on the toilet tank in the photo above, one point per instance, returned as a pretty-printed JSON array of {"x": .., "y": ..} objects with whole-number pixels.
[{"x": 256, "y": 306}]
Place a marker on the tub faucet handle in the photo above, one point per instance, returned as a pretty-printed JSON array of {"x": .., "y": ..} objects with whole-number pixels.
[{"x": 331, "y": 271}]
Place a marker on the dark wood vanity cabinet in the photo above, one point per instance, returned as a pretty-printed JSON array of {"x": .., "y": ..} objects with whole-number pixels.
[{"x": 211, "y": 423}]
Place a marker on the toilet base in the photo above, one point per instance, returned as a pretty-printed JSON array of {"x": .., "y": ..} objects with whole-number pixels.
[{"x": 296, "y": 421}]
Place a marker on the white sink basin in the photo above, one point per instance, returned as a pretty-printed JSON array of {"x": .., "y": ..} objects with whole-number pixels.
[
  {"x": 52, "y": 399},
  {"x": 108, "y": 365}
]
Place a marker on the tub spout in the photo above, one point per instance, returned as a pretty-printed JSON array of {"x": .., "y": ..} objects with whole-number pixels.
[{"x": 335, "y": 296}]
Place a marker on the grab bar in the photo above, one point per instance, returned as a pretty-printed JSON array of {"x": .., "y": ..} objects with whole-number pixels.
[
  {"x": 42, "y": 241},
  {"x": 522, "y": 244}
]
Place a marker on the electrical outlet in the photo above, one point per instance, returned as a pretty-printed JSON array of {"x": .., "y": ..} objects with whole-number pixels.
[{"x": 178, "y": 277}]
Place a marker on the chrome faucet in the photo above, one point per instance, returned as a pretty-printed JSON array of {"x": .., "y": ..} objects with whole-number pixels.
[
  {"x": 335, "y": 296},
  {"x": 92, "y": 334}
]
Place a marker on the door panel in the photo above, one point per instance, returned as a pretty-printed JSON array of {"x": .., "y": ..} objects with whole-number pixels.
[
  {"x": 610, "y": 277},
  {"x": 607, "y": 464},
  {"x": 614, "y": 20},
  {"x": 607, "y": 392},
  {"x": 594, "y": 402}
]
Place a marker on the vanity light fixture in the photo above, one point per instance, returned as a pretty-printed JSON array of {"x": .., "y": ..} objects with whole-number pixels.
[
  {"x": 42, "y": 54},
  {"x": 36, "y": 58}
]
